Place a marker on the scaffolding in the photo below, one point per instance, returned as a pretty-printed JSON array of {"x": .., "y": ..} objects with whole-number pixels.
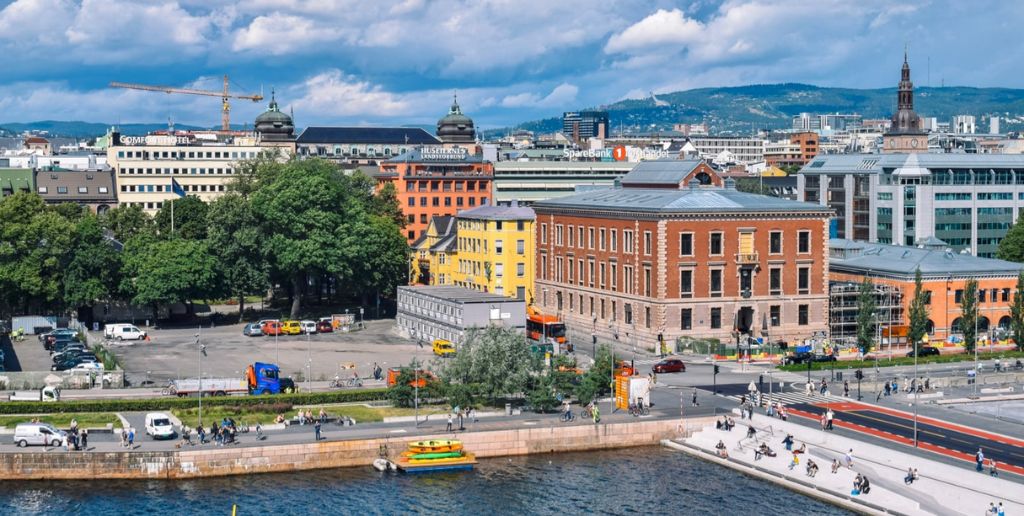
[{"x": 843, "y": 311}]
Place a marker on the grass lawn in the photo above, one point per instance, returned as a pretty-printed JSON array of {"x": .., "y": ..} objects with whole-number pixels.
[
  {"x": 266, "y": 415},
  {"x": 85, "y": 419},
  {"x": 1006, "y": 356}
]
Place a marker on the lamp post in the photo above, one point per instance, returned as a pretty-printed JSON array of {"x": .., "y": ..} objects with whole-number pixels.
[
  {"x": 916, "y": 398},
  {"x": 977, "y": 370},
  {"x": 202, "y": 353},
  {"x": 309, "y": 364}
]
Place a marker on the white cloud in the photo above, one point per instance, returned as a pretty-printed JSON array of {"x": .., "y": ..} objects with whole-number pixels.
[
  {"x": 27, "y": 23},
  {"x": 561, "y": 95},
  {"x": 336, "y": 94},
  {"x": 280, "y": 34},
  {"x": 661, "y": 28}
]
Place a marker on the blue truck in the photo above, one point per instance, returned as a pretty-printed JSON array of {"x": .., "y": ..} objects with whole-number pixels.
[{"x": 260, "y": 378}]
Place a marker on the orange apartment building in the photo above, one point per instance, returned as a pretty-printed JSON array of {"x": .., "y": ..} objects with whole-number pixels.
[
  {"x": 944, "y": 274},
  {"x": 437, "y": 181},
  {"x": 800, "y": 150},
  {"x": 665, "y": 255}
]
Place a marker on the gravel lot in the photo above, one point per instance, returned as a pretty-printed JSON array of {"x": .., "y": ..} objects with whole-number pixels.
[{"x": 172, "y": 353}]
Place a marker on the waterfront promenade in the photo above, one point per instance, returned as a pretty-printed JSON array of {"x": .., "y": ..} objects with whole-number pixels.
[{"x": 941, "y": 489}]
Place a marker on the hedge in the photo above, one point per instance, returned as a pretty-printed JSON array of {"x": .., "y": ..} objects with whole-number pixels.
[
  {"x": 167, "y": 403},
  {"x": 902, "y": 361}
]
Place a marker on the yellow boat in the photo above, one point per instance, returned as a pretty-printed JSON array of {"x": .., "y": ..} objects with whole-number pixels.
[{"x": 444, "y": 445}]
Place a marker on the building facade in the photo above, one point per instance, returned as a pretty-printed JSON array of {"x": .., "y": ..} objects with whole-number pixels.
[
  {"x": 531, "y": 181},
  {"x": 582, "y": 125},
  {"x": 495, "y": 250},
  {"x": 968, "y": 201},
  {"x": 353, "y": 146},
  {"x": 434, "y": 181},
  {"x": 797, "y": 151},
  {"x": 426, "y": 313},
  {"x": 14, "y": 180},
  {"x": 745, "y": 150},
  {"x": 944, "y": 274},
  {"x": 434, "y": 253},
  {"x": 906, "y": 133},
  {"x": 702, "y": 262}
]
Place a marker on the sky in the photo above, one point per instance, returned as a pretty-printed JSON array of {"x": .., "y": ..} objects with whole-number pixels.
[{"x": 397, "y": 62}]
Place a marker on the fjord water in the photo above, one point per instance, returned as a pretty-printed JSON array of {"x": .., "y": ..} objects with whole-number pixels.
[{"x": 649, "y": 480}]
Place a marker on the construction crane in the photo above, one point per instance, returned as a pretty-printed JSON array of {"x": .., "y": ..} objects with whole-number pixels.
[{"x": 225, "y": 112}]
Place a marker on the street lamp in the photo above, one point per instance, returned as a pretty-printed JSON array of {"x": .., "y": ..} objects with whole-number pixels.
[
  {"x": 309, "y": 363},
  {"x": 202, "y": 353}
]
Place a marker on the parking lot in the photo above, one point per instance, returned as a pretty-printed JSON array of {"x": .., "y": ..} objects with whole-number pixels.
[
  {"x": 172, "y": 353},
  {"x": 26, "y": 355}
]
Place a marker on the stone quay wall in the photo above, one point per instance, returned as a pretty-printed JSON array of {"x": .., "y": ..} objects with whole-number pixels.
[{"x": 195, "y": 463}]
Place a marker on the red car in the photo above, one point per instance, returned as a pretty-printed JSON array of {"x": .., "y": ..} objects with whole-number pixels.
[
  {"x": 324, "y": 327},
  {"x": 669, "y": 365}
]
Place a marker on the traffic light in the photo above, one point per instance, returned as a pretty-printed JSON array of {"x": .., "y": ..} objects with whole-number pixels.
[
  {"x": 859, "y": 374},
  {"x": 716, "y": 368}
]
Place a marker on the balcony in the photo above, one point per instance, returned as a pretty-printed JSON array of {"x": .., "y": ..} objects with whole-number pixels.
[{"x": 746, "y": 258}]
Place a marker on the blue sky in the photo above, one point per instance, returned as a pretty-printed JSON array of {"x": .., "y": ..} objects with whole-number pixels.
[{"x": 343, "y": 62}]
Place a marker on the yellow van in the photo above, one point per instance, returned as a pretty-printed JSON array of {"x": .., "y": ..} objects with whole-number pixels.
[
  {"x": 443, "y": 348},
  {"x": 291, "y": 328}
]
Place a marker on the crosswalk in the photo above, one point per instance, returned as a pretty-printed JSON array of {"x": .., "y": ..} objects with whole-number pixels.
[{"x": 791, "y": 398}]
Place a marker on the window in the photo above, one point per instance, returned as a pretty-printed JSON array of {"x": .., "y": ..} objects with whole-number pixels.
[
  {"x": 423, "y": 218},
  {"x": 590, "y": 238},
  {"x": 83, "y": 189},
  {"x": 803, "y": 280},
  {"x": 520, "y": 225},
  {"x": 775, "y": 242},
  {"x": 1005, "y": 295},
  {"x": 686, "y": 283},
  {"x": 716, "y": 283},
  {"x": 647, "y": 243},
  {"x": 590, "y": 273},
  {"x": 42, "y": 189},
  {"x": 804, "y": 242},
  {"x": 647, "y": 316},
  {"x": 499, "y": 246},
  {"x": 602, "y": 234},
  {"x": 558, "y": 234},
  {"x": 627, "y": 241},
  {"x": 544, "y": 233},
  {"x": 715, "y": 246},
  {"x": 628, "y": 307},
  {"x": 981, "y": 295},
  {"x": 62, "y": 189},
  {"x": 775, "y": 281},
  {"x": 603, "y": 274},
  {"x": 572, "y": 231},
  {"x": 802, "y": 315},
  {"x": 613, "y": 276},
  {"x": 520, "y": 246},
  {"x": 579, "y": 237},
  {"x": 614, "y": 238},
  {"x": 716, "y": 318},
  {"x": 499, "y": 270},
  {"x": 685, "y": 244},
  {"x": 647, "y": 281},
  {"x": 775, "y": 314},
  {"x": 685, "y": 318},
  {"x": 497, "y": 225},
  {"x": 958, "y": 296}
]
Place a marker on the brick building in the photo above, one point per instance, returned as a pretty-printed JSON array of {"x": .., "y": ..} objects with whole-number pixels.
[
  {"x": 701, "y": 261},
  {"x": 437, "y": 181}
]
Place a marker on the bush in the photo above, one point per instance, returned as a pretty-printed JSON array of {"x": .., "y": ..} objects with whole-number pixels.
[
  {"x": 900, "y": 361},
  {"x": 167, "y": 403}
]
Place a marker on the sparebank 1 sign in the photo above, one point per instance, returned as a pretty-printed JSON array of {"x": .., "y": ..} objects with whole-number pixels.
[{"x": 443, "y": 153}]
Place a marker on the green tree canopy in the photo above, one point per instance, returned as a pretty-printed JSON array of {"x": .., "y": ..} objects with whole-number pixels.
[
  {"x": 918, "y": 313},
  {"x": 34, "y": 251},
  {"x": 126, "y": 222},
  {"x": 867, "y": 316},
  {"x": 93, "y": 273},
  {"x": 234, "y": 239},
  {"x": 496, "y": 359},
  {"x": 189, "y": 218},
  {"x": 1011, "y": 247},
  {"x": 168, "y": 271},
  {"x": 969, "y": 314},
  {"x": 1017, "y": 313}
]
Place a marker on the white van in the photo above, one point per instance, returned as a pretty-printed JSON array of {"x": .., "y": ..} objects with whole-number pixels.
[
  {"x": 123, "y": 332},
  {"x": 39, "y": 434}
]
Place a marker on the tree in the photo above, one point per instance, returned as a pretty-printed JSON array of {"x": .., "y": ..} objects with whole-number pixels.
[
  {"x": 495, "y": 359},
  {"x": 867, "y": 317},
  {"x": 189, "y": 218},
  {"x": 1017, "y": 313},
  {"x": 126, "y": 222},
  {"x": 94, "y": 271},
  {"x": 969, "y": 314},
  {"x": 918, "y": 313},
  {"x": 385, "y": 204},
  {"x": 752, "y": 185},
  {"x": 34, "y": 244},
  {"x": 1011, "y": 247},
  {"x": 303, "y": 229},
  {"x": 598, "y": 379},
  {"x": 234, "y": 238},
  {"x": 168, "y": 271}
]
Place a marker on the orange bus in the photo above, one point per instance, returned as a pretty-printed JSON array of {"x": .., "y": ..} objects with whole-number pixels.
[{"x": 540, "y": 327}]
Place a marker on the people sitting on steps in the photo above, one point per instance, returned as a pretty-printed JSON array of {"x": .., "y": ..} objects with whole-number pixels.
[
  {"x": 911, "y": 476},
  {"x": 721, "y": 451},
  {"x": 812, "y": 468}
]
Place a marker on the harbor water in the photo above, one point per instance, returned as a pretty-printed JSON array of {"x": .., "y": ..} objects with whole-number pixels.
[{"x": 650, "y": 480}]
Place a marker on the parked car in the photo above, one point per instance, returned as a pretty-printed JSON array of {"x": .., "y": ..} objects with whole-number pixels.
[
  {"x": 669, "y": 365},
  {"x": 803, "y": 357},
  {"x": 39, "y": 434},
  {"x": 291, "y": 328},
  {"x": 308, "y": 326},
  {"x": 123, "y": 332},
  {"x": 58, "y": 331},
  {"x": 272, "y": 327},
  {"x": 54, "y": 341},
  {"x": 61, "y": 345},
  {"x": 92, "y": 367},
  {"x": 324, "y": 326},
  {"x": 158, "y": 426},
  {"x": 443, "y": 348},
  {"x": 925, "y": 351},
  {"x": 69, "y": 353},
  {"x": 253, "y": 330},
  {"x": 72, "y": 363}
]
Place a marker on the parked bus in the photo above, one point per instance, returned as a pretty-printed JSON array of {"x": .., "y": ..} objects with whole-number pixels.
[{"x": 546, "y": 329}]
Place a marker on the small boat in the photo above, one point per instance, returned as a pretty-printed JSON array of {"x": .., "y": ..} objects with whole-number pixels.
[
  {"x": 437, "y": 455},
  {"x": 465, "y": 462},
  {"x": 443, "y": 445},
  {"x": 384, "y": 465}
]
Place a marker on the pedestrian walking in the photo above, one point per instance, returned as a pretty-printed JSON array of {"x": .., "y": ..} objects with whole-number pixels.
[
  {"x": 131, "y": 437},
  {"x": 979, "y": 459},
  {"x": 846, "y": 388},
  {"x": 848, "y": 459},
  {"x": 829, "y": 416},
  {"x": 992, "y": 471},
  {"x": 693, "y": 401},
  {"x": 906, "y": 385},
  {"x": 449, "y": 429},
  {"x": 85, "y": 439},
  {"x": 201, "y": 434},
  {"x": 823, "y": 387},
  {"x": 124, "y": 437},
  {"x": 316, "y": 428},
  {"x": 461, "y": 427},
  {"x": 835, "y": 466},
  {"x": 888, "y": 388},
  {"x": 999, "y": 510}
]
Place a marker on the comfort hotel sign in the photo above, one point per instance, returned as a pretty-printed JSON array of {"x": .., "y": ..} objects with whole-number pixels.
[{"x": 443, "y": 153}]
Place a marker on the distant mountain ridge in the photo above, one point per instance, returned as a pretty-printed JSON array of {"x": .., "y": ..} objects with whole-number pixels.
[
  {"x": 78, "y": 129},
  {"x": 772, "y": 106}
]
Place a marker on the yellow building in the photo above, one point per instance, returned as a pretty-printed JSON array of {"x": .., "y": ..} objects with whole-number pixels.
[
  {"x": 434, "y": 253},
  {"x": 496, "y": 250},
  {"x": 489, "y": 249}
]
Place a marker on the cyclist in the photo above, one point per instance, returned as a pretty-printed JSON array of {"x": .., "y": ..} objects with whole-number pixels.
[{"x": 566, "y": 411}]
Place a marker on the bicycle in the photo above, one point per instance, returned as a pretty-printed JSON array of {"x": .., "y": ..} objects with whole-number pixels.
[
  {"x": 586, "y": 413},
  {"x": 340, "y": 383},
  {"x": 567, "y": 417}
]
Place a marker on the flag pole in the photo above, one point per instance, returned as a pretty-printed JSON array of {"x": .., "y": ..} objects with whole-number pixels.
[{"x": 172, "y": 214}]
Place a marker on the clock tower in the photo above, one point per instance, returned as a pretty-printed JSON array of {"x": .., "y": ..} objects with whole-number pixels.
[{"x": 905, "y": 133}]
